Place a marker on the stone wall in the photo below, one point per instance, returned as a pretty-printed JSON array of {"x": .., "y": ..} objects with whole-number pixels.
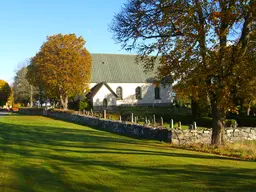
[
  {"x": 175, "y": 136},
  {"x": 204, "y": 135},
  {"x": 240, "y": 133},
  {"x": 182, "y": 137},
  {"x": 123, "y": 128}
]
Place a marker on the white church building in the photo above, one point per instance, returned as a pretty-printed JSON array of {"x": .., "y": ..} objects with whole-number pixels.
[{"x": 117, "y": 80}]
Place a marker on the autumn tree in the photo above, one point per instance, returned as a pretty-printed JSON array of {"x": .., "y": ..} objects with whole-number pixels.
[
  {"x": 191, "y": 93},
  {"x": 205, "y": 41},
  {"x": 5, "y": 92},
  {"x": 248, "y": 95},
  {"x": 62, "y": 67},
  {"x": 246, "y": 81},
  {"x": 10, "y": 100}
]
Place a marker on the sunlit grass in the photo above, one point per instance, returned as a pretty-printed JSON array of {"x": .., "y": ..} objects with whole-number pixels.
[
  {"x": 41, "y": 154},
  {"x": 243, "y": 149}
]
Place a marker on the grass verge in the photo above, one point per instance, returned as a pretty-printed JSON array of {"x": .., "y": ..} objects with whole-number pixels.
[
  {"x": 243, "y": 150},
  {"x": 40, "y": 154}
]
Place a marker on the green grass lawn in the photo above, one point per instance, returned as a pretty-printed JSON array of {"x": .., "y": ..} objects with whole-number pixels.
[{"x": 41, "y": 154}]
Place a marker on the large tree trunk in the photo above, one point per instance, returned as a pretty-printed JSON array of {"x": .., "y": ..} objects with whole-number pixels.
[
  {"x": 248, "y": 111},
  {"x": 64, "y": 102},
  {"x": 31, "y": 96},
  {"x": 218, "y": 125}
]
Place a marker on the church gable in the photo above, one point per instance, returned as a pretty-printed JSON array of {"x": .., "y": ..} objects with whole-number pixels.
[{"x": 94, "y": 90}]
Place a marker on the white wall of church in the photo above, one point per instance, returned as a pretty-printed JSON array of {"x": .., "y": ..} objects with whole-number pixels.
[
  {"x": 102, "y": 94},
  {"x": 129, "y": 98}
]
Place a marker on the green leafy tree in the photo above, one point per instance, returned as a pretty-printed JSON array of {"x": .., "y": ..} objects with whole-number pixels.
[
  {"x": 24, "y": 92},
  {"x": 5, "y": 92},
  {"x": 203, "y": 41},
  {"x": 62, "y": 67}
]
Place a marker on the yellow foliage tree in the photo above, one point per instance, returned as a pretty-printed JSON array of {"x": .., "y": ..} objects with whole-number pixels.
[
  {"x": 5, "y": 92},
  {"x": 10, "y": 101},
  {"x": 62, "y": 67}
]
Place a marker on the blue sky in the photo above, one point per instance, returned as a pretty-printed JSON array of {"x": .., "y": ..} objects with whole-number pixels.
[{"x": 25, "y": 24}]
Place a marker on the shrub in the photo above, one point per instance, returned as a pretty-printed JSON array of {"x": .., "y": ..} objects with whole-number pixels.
[
  {"x": 230, "y": 123},
  {"x": 31, "y": 111},
  {"x": 204, "y": 122},
  {"x": 83, "y": 105}
]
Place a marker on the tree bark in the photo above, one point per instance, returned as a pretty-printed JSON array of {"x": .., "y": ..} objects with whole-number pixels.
[
  {"x": 64, "y": 102},
  {"x": 218, "y": 125},
  {"x": 248, "y": 109},
  {"x": 31, "y": 96}
]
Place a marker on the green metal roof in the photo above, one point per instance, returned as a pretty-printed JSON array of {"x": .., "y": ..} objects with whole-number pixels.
[{"x": 117, "y": 68}]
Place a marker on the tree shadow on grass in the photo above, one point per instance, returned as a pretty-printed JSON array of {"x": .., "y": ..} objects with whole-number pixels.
[
  {"x": 70, "y": 139},
  {"x": 156, "y": 178},
  {"x": 54, "y": 147}
]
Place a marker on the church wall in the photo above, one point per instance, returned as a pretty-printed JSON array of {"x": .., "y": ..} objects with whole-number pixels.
[
  {"x": 101, "y": 95},
  {"x": 129, "y": 98}
]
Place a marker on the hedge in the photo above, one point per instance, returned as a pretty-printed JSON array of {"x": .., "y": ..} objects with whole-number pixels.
[{"x": 245, "y": 121}]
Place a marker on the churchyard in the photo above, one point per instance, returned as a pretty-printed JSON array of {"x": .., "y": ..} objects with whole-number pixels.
[
  {"x": 42, "y": 154},
  {"x": 173, "y": 110}
]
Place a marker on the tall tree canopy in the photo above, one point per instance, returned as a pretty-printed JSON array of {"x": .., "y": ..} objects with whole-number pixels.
[
  {"x": 62, "y": 67},
  {"x": 5, "y": 92},
  {"x": 199, "y": 41},
  {"x": 23, "y": 91}
]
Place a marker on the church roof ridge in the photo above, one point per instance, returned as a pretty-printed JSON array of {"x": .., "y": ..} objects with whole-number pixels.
[{"x": 124, "y": 54}]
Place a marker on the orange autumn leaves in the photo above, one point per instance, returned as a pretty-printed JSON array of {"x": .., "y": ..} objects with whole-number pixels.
[
  {"x": 5, "y": 92},
  {"x": 62, "y": 67}
]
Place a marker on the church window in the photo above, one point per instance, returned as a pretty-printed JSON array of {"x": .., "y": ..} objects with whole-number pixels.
[
  {"x": 157, "y": 93},
  {"x": 105, "y": 103},
  {"x": 119, "y": 93},
  {"x": 138, "y": 94}
]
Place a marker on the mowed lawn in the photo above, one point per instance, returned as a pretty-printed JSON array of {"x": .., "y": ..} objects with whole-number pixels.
[{"x": 41, "y": 154}]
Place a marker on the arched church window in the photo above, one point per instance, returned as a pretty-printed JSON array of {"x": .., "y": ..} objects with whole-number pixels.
[
  {"x": 157, "y": 93},
  {"x": 138, "y": 94},
  {"x": 105, "y": 103},
  {"x": 119, "y": 93}
]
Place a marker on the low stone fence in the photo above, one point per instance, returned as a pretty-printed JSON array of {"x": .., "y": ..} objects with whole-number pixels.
[
  {"x": 175, "y": 135},
  {"x": 204, "y": 136},
  {"x": 123, "y": 128}
]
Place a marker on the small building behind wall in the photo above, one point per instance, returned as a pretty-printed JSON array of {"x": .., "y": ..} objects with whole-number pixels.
[{"x": 117, "y": 80}]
